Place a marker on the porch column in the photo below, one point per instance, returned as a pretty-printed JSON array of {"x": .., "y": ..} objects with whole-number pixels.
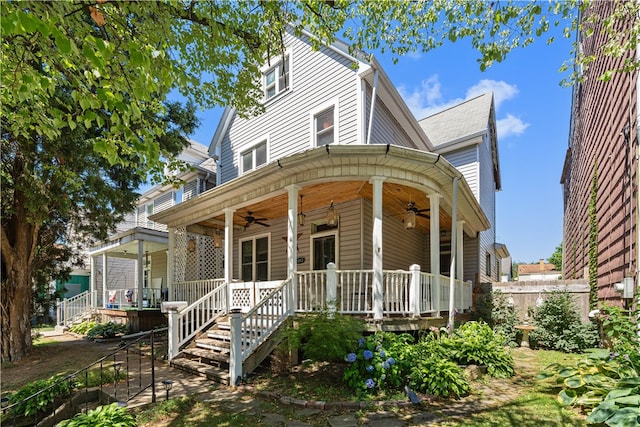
[
  {"x": 292, "y": 242},
  {"x": 105, "y": 272},
  {"x": 434, "y": 249},
  {"x": 377, "y": 247},
  {"x": 228, "y": 251},
  {"x": 460, "y": 260},
  {"x": 140, "y": 272},
  {"x": 93, "y": 285},
  {"x": 171, "y": 264},
  {"x": 454, "y": 252}
]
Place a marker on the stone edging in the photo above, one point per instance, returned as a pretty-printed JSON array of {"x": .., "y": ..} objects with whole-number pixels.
[{"x": 323, "y": 405}]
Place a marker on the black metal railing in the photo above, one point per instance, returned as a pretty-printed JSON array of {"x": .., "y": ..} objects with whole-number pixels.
[{"x": 133, "y": 373}]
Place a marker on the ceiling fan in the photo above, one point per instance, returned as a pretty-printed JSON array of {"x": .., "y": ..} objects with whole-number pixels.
[
  {"x": 411, "y": 207},
  {"x": 253, "y": 220}
]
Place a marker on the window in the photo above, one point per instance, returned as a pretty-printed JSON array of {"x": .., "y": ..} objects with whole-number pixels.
[
  {"x": 177, "y": 195},
  {"x": 149, "y": 210},
  {"x": 276, "y": 79},
  {"x": 254, "y": 259},
  {"x": 254, "y": 157},
  {"x": 488, "y": 264},
  {"x": 324, "y": 127}
]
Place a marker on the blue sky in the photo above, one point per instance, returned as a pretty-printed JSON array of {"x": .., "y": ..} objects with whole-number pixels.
[{"x": 532, "y": 112}]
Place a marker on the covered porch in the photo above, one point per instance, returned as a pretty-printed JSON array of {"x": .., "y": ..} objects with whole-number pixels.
[{"x": 375, "y": 230}]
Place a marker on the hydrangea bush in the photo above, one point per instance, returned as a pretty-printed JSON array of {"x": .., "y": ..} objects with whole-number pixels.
[{"x": 379, "y": 363}]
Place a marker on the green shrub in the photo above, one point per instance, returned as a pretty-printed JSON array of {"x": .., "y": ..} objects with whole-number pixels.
[
  {"x": 84, "y": 327},
  {"x": 440, "y": 377},
  {"x": 475, "y": 343},
  {"x": 618, "y": 328},
  {"x": 558, "y": 326},
  {"x": 103, "y": 416},
  {"x": 494, "y": 309},
  {"x": 325, "y": 336},
  {"x": 107, "y": 330},
  {"x": 39, "y": 403}
]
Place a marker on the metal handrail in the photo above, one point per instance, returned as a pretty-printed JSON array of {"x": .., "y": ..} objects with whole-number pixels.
[{"x": 116, "y": 366}]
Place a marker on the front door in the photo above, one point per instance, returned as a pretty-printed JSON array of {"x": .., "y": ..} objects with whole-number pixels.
[{"x": 324, "y": 251}]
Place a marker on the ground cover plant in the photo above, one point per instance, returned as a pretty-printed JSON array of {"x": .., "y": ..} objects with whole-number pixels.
[{"x": 605, "y": 384}]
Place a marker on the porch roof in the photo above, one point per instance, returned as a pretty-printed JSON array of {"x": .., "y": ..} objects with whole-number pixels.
[{"x": 424, "y": 171}]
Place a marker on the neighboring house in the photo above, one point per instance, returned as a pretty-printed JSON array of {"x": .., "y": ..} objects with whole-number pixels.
[
  {"x": 130, "y": 268},
  {"x": 540, "y": 271},
  {"x": 604, "y": 139}
]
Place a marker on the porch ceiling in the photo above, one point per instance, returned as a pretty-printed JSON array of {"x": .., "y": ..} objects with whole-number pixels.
[
  {"x": 339, "y": 173},
  {"x": 395, "y": 197}
]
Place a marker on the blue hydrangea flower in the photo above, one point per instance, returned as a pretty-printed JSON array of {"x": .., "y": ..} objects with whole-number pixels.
[
  {"x": 385, "y": 365},
  {"x": 361, "y": 342},
  {"x": 391, "y": 361},
  {"x": 369, "y": 368},
  {"x": 382, "y": 353},
  {"x": 351, "y": 357},
  {"x": 367, "y": 354},
  {"x": 370, "y": 383}
]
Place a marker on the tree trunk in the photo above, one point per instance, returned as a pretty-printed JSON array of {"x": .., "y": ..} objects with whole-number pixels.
[{"x": 16, "y": 310}]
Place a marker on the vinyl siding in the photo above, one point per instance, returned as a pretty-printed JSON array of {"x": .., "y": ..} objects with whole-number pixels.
[
  {"x": 385, "y": 130},
  {"x": 487, "y": 202},
  {"x": 318, "y": 78},
  {"x": 467, "y": 161}
]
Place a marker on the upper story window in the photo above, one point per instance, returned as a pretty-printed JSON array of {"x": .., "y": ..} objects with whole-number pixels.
[
  {"x": 324, "y": 127},
  {"x": 276, "y": 79},
  {"x": 254, "y": 157}
]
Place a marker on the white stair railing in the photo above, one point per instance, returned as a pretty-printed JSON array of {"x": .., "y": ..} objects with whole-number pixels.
[
  {"x": 185, "y": 324},
  {"x": 250, "y": 330},
  {"x": 71, "y": 310}
]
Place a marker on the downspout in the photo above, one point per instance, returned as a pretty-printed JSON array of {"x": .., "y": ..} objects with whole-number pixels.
[
  {"x": 452, "y": 266},
  {"x": 373, "y": 104}
]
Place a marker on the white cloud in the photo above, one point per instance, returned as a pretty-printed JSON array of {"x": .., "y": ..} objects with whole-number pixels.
[
  {"x": 510, "y": 125},
  {"x": 502, "y": 91},
  {"x": 427, "y": 99}
]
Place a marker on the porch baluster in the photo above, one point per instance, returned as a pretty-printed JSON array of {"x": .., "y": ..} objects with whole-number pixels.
[{"x": 415, "y": 289}]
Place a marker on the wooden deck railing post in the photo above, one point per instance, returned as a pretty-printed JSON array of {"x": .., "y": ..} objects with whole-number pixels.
[
  {"x": 332, "y": 286},
  {"x": 415, "y": 291},
  {"x": 235, "y": 355},
  {"x": 174, "y": 333}
]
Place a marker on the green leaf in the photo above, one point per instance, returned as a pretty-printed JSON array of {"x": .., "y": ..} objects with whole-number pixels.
[
  {"x": 62, "y": 41},
  {"x": 602, "y": 412},
  {"x": 625, "y": 417},
  {"x": 574, "y": 382},
  {"x": 567, "y": 397}
]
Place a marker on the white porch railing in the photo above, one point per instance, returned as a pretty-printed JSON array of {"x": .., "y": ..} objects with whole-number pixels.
[
  {"x": 193, "y": 290},
  {"x": 125, "y": 298},
  {"x": 404, "y": 292},
  {"x": 73, "y": 309}
]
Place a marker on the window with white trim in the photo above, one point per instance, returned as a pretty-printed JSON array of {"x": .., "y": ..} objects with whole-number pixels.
[
  {"x": 324, "y": 129},
  {"x": 488, "y": 263},
  {"x": 276, "y": 79},
  {"x": 254, "y": 157}
]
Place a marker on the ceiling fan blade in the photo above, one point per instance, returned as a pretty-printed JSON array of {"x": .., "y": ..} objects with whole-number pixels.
[
  {"x": 262, "y": 223},
  {"x": 423, "y": 215},
  {"x": 422, "y": 210}
]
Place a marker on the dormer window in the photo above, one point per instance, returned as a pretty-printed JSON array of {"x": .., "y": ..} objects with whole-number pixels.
[
  {"x": 276, "y": 79},
  {"x": 324, "y": 127}
]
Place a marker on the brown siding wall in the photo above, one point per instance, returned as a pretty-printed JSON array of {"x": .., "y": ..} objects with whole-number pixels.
[{"x": 600, "y": 112}]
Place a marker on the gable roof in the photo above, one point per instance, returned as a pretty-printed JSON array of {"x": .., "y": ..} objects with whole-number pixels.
[{"x": 465, "y": 124}]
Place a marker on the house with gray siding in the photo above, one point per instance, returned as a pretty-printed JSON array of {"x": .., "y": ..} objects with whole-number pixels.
[{"x": 334, "y": 197}]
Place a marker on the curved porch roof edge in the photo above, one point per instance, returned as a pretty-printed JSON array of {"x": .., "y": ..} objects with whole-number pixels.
[{"x": 420, "y": 169}]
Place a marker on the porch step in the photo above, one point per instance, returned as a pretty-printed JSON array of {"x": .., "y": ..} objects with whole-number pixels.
[
  {"x": 213, "y": 344},
  {"x": 215, "y": 373},
  {"x": 206, "y": 356}
]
